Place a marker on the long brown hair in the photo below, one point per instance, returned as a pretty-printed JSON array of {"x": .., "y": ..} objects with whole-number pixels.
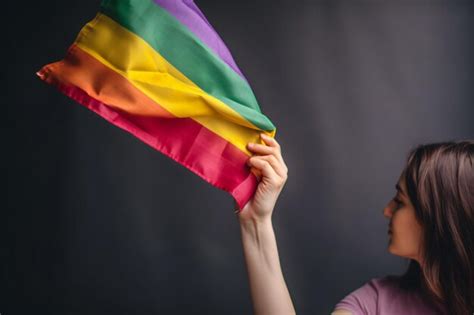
[{"x": 440, "y": 183}]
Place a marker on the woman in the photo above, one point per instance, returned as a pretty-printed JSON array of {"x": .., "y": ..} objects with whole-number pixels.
[{"x": 431, "y": 223}]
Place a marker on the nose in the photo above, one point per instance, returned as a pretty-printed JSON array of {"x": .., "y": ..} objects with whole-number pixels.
[{"x": 387, "y": 211}]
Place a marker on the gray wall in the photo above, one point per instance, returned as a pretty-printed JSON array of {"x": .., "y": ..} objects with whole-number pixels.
[{"x": 96, "y": 222}]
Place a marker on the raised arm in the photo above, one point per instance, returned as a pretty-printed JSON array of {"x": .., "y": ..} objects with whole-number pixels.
[{"x": 268, "y": 290}]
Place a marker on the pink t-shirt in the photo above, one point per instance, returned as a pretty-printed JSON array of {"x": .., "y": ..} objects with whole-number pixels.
[{"x": 383, "y": 296}]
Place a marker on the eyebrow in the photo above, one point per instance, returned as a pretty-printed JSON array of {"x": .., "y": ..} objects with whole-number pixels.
[{"x": 399, "y": 189}]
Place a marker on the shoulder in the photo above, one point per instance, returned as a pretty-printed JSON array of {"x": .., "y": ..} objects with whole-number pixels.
[
  {"x": 364, "y": 300},
  {"x": 383, "y": 284},
  {"x": 386, "y": 296},
  {"x": 375, "y": 287}
]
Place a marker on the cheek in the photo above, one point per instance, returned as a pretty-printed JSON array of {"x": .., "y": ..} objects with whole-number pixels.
[{"x": 406, "y": 237}]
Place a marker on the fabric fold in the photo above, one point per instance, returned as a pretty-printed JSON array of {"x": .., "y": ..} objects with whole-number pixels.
[{"x": 157, "y": 69}]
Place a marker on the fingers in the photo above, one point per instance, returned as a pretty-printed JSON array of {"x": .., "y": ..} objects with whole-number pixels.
[
  {"x": 272, "y": 148},
  {"x": 274, "y": 163},
  {"x": 270, "y": 141},
  {"x": 268, "y": 159},
  {"x": 268, "y": 172},
  {"x": 262, "y": 149}
]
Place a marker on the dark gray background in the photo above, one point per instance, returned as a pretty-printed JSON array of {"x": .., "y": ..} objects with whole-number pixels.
[{"x": 96, "y": 222}]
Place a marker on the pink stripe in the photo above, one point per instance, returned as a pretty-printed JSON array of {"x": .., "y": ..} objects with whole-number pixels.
[{"x": 184, "y": 140}]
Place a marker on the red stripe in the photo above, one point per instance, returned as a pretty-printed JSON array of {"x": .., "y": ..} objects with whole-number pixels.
[{"x": 184, "y": 140}]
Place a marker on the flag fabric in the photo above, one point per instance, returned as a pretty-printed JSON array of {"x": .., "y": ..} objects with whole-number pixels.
[{"x": 159, "y": 70}]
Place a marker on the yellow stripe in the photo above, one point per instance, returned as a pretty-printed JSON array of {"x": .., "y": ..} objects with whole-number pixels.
[{"x": 130, "y": 56}]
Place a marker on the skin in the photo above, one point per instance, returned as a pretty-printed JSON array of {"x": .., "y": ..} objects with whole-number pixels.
[
  {"x": 405, "y": 239},
  {"x": 269, "y": 293},
  {"x": 268, "y": 290}
]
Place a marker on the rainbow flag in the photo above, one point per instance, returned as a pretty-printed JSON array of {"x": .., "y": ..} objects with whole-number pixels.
[{"x": 158, "y": 69}]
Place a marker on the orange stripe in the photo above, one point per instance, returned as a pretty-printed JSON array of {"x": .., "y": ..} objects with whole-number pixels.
[{"x": 84, "y": 71}]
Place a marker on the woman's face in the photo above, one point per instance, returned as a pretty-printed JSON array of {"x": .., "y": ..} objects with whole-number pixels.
[{"x": 404, "y": 230}]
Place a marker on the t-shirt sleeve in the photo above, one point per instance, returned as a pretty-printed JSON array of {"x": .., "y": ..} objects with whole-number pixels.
[{"x": 362, "y": 301}]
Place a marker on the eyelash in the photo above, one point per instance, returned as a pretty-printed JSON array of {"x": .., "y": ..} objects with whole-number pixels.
[{"x": 398, "y": 201}]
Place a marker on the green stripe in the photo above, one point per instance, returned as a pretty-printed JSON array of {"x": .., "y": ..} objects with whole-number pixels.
[{"x": 188, "y": 54}]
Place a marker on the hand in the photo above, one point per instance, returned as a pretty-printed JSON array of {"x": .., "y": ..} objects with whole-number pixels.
[{"x": 268, "y": 164}]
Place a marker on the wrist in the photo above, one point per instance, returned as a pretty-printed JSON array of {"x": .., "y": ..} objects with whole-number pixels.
[
  {"x": 254, "y": 220},
  {"x": 258, "y": 238},
  {"x": 252, "y": 214},
  {"x": 255, "y": 226}
]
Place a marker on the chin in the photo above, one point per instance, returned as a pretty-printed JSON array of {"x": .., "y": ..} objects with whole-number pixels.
[
  {"x": 390, "y": 249},
  {"x": 393, "y": 250}
]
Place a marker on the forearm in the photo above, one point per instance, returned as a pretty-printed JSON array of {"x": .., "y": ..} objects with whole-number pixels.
[{"x": 268, "y": 290}]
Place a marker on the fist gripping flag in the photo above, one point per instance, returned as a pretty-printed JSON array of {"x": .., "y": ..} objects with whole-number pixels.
[{"x": 158, "y": 69}]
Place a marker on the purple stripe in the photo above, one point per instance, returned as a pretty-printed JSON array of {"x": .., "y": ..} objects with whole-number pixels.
[{"x": 187, "y": 12}]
